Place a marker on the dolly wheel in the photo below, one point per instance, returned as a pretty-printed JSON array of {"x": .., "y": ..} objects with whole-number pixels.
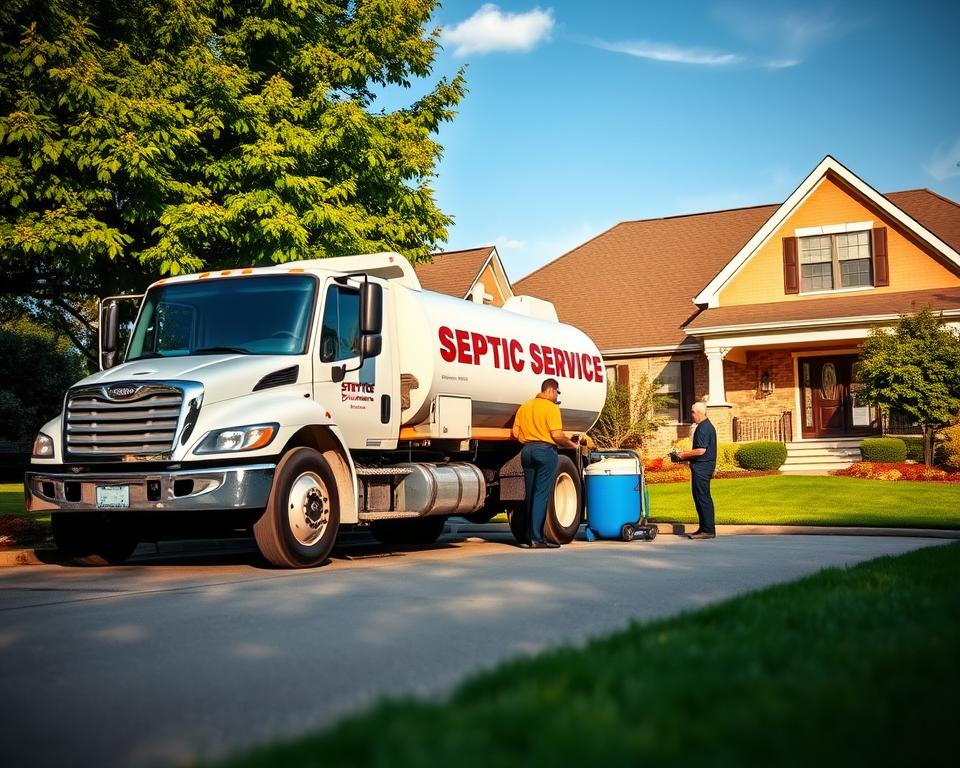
[
  {"x": 651, "y": 531},
  {"x": 626, "y": 533}
]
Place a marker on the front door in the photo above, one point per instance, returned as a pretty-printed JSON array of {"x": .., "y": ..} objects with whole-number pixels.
[{"x": 828, "y": 399}]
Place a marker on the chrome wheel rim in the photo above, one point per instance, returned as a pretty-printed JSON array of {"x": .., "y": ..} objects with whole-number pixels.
[
  {"x": 565, "y": 500},
  {"x": 308, "y": 508}
]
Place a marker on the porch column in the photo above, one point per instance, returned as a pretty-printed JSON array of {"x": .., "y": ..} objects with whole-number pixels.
[{"x": 716, "y": 392}]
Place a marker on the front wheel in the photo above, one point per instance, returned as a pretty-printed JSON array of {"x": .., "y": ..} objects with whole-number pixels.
[
  {"x": 299, "y": 526},
  {"x": 563, "y": 511}
]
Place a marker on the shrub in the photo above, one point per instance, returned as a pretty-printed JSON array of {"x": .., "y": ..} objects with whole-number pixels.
[
  {"x": 727, "y": 457},
  {"x": 761, "y": 454},
  {"x": 951, "y": 448},
  {"x": 915, "y": 449},
  {"x": 885, "y": 450}
]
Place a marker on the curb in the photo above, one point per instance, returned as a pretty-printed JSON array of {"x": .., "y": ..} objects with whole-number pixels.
[
  {"x": 17, "y": 557},
  {"x": 680, "y": 529}
]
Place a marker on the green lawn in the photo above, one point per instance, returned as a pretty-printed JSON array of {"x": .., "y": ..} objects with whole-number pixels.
[
  {"x": 11, "y": 499},
  {"x": 847, "y": 667},
  {"x": 815, "y": 500}
]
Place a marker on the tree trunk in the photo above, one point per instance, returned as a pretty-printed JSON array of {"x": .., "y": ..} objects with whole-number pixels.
[{"x": 928, "y": 434}]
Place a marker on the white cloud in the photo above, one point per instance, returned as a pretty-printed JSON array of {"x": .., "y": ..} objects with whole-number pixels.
[
  {"x": 491, "y": 29},
  {"x": 793, "y": 35},
  {"x": 673, "y": 53},
  {"x": 945, "y": 163},
  {"x": 505, "y": 243}
]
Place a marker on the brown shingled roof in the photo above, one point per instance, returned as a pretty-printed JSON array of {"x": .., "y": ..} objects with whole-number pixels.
[
  {"x": 632, "y": 286},
  {"x": 453, "y": 272},
  {"x": 840, "y": 307}
]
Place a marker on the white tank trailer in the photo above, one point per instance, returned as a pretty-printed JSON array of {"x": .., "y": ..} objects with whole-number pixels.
[{"x": 304, "y": 399}]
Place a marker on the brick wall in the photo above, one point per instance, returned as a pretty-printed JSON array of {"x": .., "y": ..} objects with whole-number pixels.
[{"x": 743, "y": 383}]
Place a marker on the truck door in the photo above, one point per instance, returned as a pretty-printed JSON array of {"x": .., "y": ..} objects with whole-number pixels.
[{"x": 365, "y": 403}]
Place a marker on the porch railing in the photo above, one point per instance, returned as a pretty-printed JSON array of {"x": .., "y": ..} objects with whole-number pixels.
[
  {"x": 777, "y": 428},
  {"x": 900, "y": 424}
]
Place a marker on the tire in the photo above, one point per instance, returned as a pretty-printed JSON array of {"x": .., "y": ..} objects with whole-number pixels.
[
  {"x": 626, "y": 533},
  {"x": 651, "y": 532},
  {"x": 418, "y": 531},
  {"x": 299, "y": 526},
  {"x": 519, "y": 520},
  {"x": 564, "y": 509},
  {"x": 94, "y": 539}
]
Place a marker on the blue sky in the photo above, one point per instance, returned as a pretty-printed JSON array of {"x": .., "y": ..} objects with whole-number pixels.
[{"x": 583, "y": 114}]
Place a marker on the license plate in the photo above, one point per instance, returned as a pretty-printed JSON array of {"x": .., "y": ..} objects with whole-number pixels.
[{"x": 113, "y": 496}]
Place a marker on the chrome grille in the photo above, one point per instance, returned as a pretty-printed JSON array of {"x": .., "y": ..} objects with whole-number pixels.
[{"x": 142, "y": 424}]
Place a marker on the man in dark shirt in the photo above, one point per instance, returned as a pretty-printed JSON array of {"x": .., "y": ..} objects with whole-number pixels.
[{"x": 703, "y": 463}]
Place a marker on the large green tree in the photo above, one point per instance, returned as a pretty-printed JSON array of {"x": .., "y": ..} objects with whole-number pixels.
[
  {"x": 150, "y": 137},
  {"x": 914, "y": 369}
]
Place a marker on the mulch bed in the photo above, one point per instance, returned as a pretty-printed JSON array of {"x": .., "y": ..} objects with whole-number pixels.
[
  {"x": 682, "y": 474},
  {"x": 21, "y": 532}
]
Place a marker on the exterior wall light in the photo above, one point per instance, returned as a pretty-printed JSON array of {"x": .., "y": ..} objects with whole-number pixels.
[{"x": 766, "y": 384}]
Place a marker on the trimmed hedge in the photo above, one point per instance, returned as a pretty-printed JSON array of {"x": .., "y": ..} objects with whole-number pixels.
[
  {"x": 762, "y": 454},
  {"x": 885, "y": 450},
  {"x": 914, "y": 448}
]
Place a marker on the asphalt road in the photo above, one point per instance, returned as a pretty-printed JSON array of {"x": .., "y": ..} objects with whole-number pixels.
[{"x": 169, "y": 660}]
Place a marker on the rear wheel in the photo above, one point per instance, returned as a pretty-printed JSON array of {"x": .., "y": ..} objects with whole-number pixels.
[
  {"x": 299, "y": 526},
  {"x": 412, "y": 532},
  {"x": 94, "y": 539},
  {"x": 563, "y": 511}
]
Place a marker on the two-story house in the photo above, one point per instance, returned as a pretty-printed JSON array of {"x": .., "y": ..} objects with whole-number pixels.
[{"x": 760, "y": 311}]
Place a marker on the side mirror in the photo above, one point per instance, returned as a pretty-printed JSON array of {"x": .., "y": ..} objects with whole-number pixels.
[
  {"x": 109, "y": 330},
  {"x": 371, "y": 309}
]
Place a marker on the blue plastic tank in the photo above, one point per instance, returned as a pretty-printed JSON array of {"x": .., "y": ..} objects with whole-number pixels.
[{"x": 613, "y": 495}]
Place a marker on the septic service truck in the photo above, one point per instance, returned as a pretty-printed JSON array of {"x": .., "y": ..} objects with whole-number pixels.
[{"x": 302, "y": 399}]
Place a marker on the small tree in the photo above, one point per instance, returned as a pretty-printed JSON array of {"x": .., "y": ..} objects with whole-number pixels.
[
  {"x": 628, "y": 416},
  {"x": 914, "y": 369}
]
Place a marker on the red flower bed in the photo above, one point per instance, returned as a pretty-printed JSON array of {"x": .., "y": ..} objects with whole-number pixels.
[{"x": 897, "y": 471}]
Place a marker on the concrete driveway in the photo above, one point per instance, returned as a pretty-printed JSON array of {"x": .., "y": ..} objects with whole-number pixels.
[{"x": 168, "y": 660}]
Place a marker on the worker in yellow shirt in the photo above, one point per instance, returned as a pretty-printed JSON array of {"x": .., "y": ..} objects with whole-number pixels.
[{"x": 539, "y": 427}]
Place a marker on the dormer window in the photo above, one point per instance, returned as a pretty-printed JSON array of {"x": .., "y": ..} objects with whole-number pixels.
[
  {"x": 842, "y": 257},
  {"x": 835, "y": 262}
]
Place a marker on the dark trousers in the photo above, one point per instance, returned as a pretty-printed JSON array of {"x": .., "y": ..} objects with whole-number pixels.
[
  {"x": 700, "y": 477},
  {"x": 539, "y": 461}
]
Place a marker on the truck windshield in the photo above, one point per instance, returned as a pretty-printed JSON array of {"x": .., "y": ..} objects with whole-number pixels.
[{"x": 262, "y": 315}]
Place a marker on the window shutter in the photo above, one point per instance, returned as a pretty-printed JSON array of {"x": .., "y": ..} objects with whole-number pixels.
[
  {"x": 686, "y": 390},
  {"x": 881, "y": 265},
  {"x": 791, "y": 270},
  {"x": 623, "y": 375}
]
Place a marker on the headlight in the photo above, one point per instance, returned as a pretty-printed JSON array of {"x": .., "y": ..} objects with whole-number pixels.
[
  {"x": 237, "y": 439},
  {"x": 42, "y": 446}
]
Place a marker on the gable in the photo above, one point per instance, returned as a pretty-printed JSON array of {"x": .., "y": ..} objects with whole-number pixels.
[
  {"x": 829, "y": 206},
  {"x": 884, "y": 208}
]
